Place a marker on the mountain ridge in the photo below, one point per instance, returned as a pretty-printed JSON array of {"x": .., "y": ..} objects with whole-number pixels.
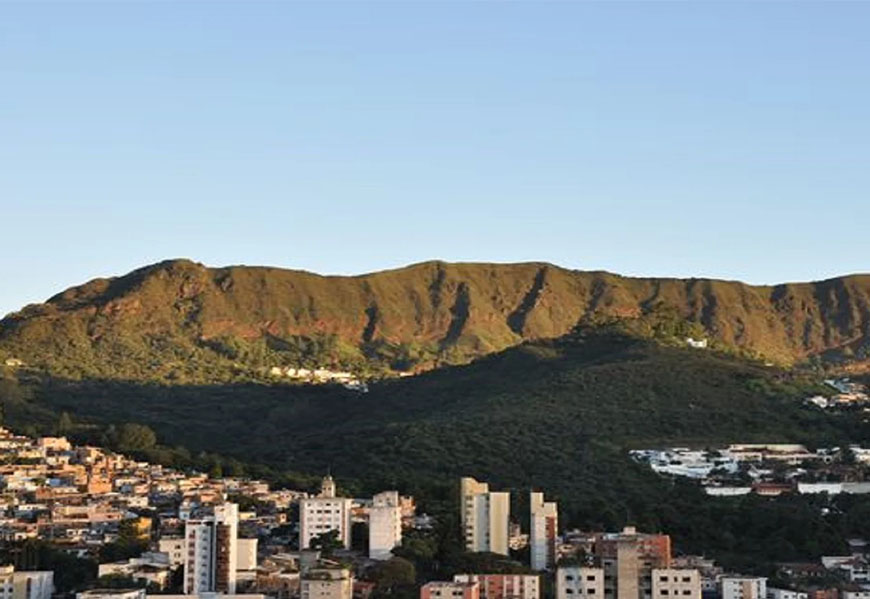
[{"x": 419, "y": 315}]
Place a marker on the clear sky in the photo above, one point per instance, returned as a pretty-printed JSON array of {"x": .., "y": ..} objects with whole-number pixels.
[{"x": 685, "y": 138}]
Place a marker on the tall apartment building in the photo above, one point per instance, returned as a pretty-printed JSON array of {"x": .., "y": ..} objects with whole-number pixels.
[
  {"x": 504, "y": 586},
  {"x": 25, "y": 584},
  {"x": 630, "y": 565},
  {"x": 484, "y": 517},
  {"x": 743, "y": 587},
  {"x": 326, "y": 583},
  {"x": 628, "y": 559},
  {"x": 385, "y": 525},
  {"x": 544, "y": 531},
  {"x": 210, "y": 551},
  {"x": 324, "y": 513},
  {"x": 450, "y": 590}
]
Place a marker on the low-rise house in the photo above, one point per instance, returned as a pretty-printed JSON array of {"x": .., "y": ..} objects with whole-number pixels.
[{"x": 153, "y": 568}]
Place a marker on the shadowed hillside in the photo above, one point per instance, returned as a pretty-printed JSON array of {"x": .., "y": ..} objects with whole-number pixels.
[
  {"x": 179, "y": 320},
  {"x": 558, "y": 415}
]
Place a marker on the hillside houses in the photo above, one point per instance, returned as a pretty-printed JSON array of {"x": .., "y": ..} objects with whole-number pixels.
[
  {"x": 766, "y": 469},
  {"x": 320, "y": 376},
  {"x": 845, "y": 395}
]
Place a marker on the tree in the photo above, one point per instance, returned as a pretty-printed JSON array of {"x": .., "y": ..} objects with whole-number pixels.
[
  {"x": 136, "y": 437},
  {"x": 64, "y": 425},
  {"x": 327, "y": 542},
  {"x": 392, "y": 573}
]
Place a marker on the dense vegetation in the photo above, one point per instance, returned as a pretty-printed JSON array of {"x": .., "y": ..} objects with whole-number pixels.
[
  {"x": 556, "y": 415},
  {"x": 181, "y": 322}
]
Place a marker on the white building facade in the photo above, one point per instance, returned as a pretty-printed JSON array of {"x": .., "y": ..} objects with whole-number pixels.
[
  {"x": 743, "y": 587},
  {"x": 211, "y": 551},
  {"x": 543, "y": 537},
  {"x": 485, "y": 517},
  {"x": 325, "y": 513},
  {"x": 579, "y": 582},
  {"x": 385, "y": 525},
  {"x": 25, "y": 584}
]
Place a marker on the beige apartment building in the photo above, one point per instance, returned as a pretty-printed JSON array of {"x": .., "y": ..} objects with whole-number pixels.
[
  {"x": 326, "y": 583},
  {"x": 25, "y": 584},
  {"x": 484, "y": 516},
  {"x": 676, "y": 583},
  {"x": 580, "y": 582},
  {"x": 504, "y": 586},
  {"x": 629, "y": 565}
]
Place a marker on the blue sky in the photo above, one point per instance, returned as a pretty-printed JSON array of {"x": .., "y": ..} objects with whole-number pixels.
[{"x": 683, "y": 138}]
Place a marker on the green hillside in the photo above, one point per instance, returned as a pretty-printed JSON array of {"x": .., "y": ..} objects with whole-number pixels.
[
  {"x": 557, "y": 415},
  {"x": 179, "y": 321}
]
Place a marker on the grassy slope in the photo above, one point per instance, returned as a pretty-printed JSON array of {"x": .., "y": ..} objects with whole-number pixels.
[{"x": 181, "y": 321}]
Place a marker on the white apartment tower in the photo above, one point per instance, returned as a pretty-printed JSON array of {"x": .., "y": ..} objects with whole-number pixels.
[
  {"x": 543, "y": 532},
  {"x": 324, "y": 513},
  {"x": 484, "y": 517},
  {"x": 210, "y": 551},
  {"x": 385, "y": 525}
]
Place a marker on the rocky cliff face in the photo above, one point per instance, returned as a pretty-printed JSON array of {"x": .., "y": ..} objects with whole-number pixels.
[{"x": 461, "y": 310}]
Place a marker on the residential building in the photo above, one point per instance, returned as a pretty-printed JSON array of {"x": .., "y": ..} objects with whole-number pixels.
[
  {"x": 153, "y": 568},
  {"x": 484, "y": 517},
  {"x": 385, "y": 525},
  {"x": 173, "y": 547},
  {"x": 113, "y": 594},
  {"x": 631, "y": 565},
  {"x": 450, "y": 590},
  {"x": 743, "y": 587},
  {"x": 326, "y": 583},
  {"x": 211, "y": 547},
  {"x": 544, "y": 530},
  {"x": 504, "y": 586},
  {"x": 246, "y": 555},
  {"x": 25, "y": 584},
  {"x": 774, "y": 593},
  {"x": 671, "y": 583},
  {"x": 210, "y": 595},
  {"x": 579, "y": 582},
  {"x": 324, "y": 513}
]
